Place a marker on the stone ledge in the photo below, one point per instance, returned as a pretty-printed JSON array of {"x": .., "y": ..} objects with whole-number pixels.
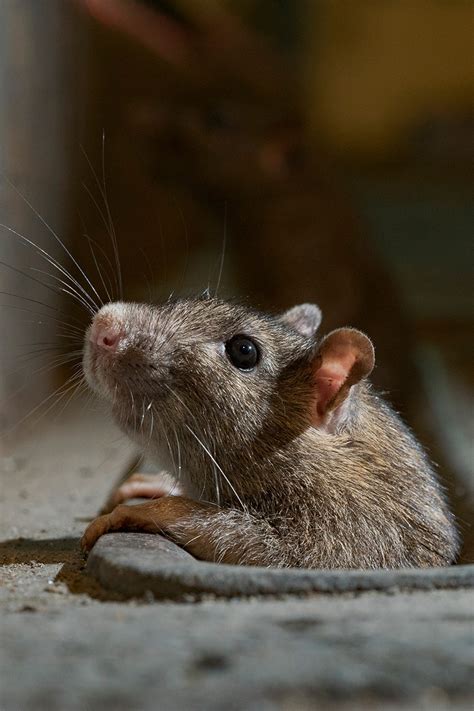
[{"x": 138, "y": 564}]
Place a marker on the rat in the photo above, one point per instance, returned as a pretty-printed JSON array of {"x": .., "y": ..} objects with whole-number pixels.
[{"x": 282, "y": 451}]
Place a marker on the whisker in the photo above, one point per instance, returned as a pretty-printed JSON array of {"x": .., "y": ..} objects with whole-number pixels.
[
  {"x": 78, "y": 387},
  {"x": 41, "y": 303},
  {"x": 44, "y": 369},
  {"x": 90, "y": 242},
  {"x": 69, "y": 289},
  {"x": 72, "y": 384},
  {"x": 164, "y": 255},
  {"x": 169, "y": 446},
  {"x": 178, "y": 446},
  {"x": 132, "y": 403},
  {"x": 216, "y": 464},
  {"x": 51, "y": 260},
  {"x": 36, "y": 408},
  {"x": 49, "y": 348},
  {"x": 149, "y": 283},
  {"x": 103, "y": 191},
  {"x": 218, "y": 491},
  {"x": 67, "y": 328},
  {"x": 27, "y": 358},
  {"x": 152, "y": 426},
  {"x": 143, "y": 415},
  {"x": 109, "y": 289},
  {"x": 52, "y": 345},
  {"x": 107, "y": 227},
  {"x": 52, "y": 232},
  {"x": 56, "y": 291},
  {"x": 224, "y": 244},
  {"x": 55, "y": 362},
  {"x": 186, "y": 241},
  {"x": 112, "y": 227}
]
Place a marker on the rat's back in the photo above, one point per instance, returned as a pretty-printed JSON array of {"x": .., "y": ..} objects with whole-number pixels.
[{"x": 376, "y": 501}]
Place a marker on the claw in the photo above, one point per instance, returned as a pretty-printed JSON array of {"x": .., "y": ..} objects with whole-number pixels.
[{"x": 96, "y": 529}]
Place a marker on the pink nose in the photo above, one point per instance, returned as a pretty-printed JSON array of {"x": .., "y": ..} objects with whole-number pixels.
[{"x": 107, "y": 337}]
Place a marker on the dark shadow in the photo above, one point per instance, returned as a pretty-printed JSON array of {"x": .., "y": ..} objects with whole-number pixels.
[
  {"x": 43, "y": 550},
  {"x": 50, "y": 551}
]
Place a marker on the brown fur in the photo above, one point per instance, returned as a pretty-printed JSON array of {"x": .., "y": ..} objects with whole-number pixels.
[{"x": 273, "y": 487}]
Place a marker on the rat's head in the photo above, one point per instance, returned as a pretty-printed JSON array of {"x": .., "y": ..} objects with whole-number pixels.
[{"x": 228, "y": 373}]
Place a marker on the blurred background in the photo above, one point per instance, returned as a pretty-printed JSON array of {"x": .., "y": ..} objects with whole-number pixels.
[{"x": 323, "y": 148}]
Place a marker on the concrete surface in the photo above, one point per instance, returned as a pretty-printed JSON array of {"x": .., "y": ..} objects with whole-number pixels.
[
  {"x": 137, "y": 564},
  {"x": 66, "y": 644}
]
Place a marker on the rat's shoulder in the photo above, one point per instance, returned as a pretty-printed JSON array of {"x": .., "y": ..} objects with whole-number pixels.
[{"x": 368, "y": 433}]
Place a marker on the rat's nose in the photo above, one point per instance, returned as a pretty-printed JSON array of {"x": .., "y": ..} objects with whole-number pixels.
[{"x": 105, "y": 336}]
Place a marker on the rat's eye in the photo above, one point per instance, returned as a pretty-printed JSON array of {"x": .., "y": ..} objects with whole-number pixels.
[{"x": 242, "y": 352}]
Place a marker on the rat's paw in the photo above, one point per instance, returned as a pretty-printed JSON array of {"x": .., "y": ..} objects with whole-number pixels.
[
  {"x": 94, "y": 530},
  {"x": 139, "y": 517},
  {"x": 146, "y": 486},
  {"x": 143, "y": 486},
  {"x": 99, "y": 526}
]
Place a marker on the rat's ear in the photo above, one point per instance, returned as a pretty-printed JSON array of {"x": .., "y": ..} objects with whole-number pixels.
[
  {"x": 344, "y": 357},
  {"x": 304, "y": 318}
]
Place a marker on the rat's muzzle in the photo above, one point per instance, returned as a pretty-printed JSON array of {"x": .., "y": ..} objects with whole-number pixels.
[
  {"x": 105, "y": 335},
  {"x": 106, "y": 341},
  {"x": 119, "y": 353}
]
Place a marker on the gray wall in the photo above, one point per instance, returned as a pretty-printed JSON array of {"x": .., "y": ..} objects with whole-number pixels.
[{"x": 40, "y": 54}]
